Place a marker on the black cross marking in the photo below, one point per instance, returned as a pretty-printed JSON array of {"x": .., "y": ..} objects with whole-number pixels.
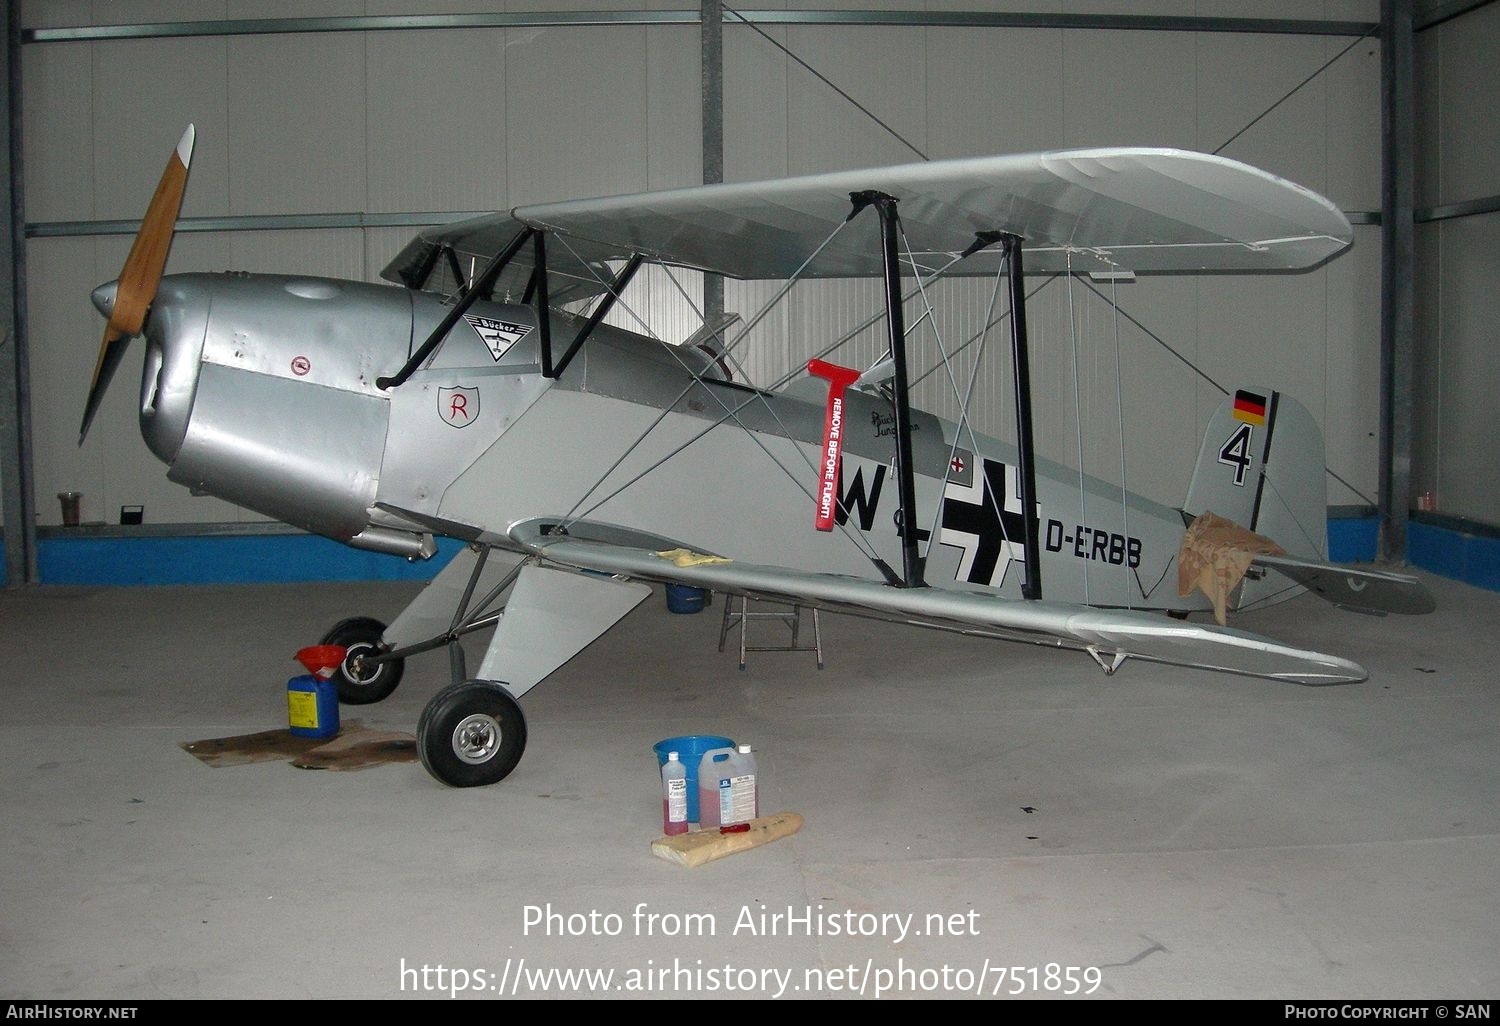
[{"x": 990, "y": 522}]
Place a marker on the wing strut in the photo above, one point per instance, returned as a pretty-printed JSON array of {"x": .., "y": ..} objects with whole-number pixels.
[
  {"x": 1011, "y": 244},
  {"x": 536, "y": 292},
  {"x": 478, "y": 287},
  {"x": 890, "y": 222},
  {"x": 600, "y": 312},
  {"x": 539, "y": 296}
]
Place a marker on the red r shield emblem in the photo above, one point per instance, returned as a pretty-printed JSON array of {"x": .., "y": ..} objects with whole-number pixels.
[{"x": 459, "y": 406}]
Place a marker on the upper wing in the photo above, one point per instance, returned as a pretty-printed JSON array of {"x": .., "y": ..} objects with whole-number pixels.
[
  {"x": 1133, "y": 208},
  {"x": 1110, "y": 635}
]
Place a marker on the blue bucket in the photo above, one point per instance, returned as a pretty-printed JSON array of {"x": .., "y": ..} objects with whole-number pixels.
[
  {"x": 690, "y": 749},
  {"x": 682, "y": 598}
]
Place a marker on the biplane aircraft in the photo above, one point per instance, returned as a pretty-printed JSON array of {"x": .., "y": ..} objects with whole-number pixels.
[{"x": 584, "y": 463}]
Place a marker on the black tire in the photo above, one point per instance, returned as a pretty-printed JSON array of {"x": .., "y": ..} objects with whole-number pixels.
[
  {"x": 434, "y": 702},
  {"x": 361, "y": 636},
  {"x": 471, "y": 734}
]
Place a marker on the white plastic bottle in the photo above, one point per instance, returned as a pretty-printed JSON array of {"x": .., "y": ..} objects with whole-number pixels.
[
  {"x": 713, "y": 770},
  {"x": 740, "y": 802},
  {"x": 674, "y": 810}
]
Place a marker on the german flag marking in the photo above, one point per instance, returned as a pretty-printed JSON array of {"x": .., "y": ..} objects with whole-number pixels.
[{"x": 1250, "y": 408}]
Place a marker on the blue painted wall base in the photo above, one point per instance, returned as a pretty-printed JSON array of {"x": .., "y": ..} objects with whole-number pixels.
[
  {"x": 1353, "y": 539},
  {"x": 1447, "y": 551},
  {"x": 231, "y": 559},
  {"x": 1471, "y": 558}
]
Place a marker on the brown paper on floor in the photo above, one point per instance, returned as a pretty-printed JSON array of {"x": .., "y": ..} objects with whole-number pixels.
[
  {"x": 1214, "y": 556},
  {"x": 353, "y": 750},
  {"x": 266, "y": 746},
  {"x": 355, "y": 747}
]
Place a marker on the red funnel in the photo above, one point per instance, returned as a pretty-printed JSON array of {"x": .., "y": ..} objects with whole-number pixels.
[{"x": 322, "y": 660}]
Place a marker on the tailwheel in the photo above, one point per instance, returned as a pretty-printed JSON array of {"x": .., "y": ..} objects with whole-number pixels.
[
  {"x": 359, "y": 682},
  {"x": 471, "y": 734}
]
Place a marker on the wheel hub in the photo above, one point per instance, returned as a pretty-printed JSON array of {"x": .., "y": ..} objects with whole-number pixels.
[
  {"x": 355, "y": 667},
  {"x": 476, "y": 738}
]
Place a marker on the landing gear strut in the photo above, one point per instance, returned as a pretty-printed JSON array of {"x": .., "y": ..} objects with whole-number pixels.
[{"x": 473, "y": 732}]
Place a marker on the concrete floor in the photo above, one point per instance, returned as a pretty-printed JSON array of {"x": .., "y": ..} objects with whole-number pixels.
[{"x": 1187, "y": 834}]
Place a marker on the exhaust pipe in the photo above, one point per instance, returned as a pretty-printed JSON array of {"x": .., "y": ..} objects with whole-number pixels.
[{"x": 395, "y": 543}]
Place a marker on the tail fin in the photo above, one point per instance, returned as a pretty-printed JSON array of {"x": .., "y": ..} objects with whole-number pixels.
[{"x": 1262, "y": 466}]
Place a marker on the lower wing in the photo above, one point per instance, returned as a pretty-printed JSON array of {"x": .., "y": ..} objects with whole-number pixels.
[{"x": 1109, "y": 635}]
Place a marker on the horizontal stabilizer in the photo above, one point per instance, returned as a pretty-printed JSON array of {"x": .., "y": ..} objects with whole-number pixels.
[
  {"x": 1110, "y": 635},
  {"x": 1372, "y": 591}
]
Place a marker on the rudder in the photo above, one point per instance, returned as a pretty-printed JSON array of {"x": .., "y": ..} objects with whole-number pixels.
[{"x": 1262, "y": 466}]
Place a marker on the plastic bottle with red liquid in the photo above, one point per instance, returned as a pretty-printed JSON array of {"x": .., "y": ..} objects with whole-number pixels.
[
  {"x": 712, "y": 769},
  {"x": 674, "y": 804},
  {"x": 728, "y": 788}
]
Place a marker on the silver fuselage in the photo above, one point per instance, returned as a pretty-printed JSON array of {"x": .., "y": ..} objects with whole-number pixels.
[{"x": 261, "y": 390}]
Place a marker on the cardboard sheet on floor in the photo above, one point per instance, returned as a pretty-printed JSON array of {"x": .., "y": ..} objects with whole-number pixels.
[{"x": 355, "y": 747}]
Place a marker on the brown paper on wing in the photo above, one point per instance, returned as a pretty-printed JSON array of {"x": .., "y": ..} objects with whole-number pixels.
[{"x": 1214, "y": 556}]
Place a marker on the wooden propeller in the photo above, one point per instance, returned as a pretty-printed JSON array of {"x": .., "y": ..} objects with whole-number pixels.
[{"x": 141, "y": 275}]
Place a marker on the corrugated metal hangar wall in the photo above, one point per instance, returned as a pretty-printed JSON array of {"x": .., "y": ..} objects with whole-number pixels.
[
  {"x": 322, "y": 143},
  {"x": 1458, "y": 261}
]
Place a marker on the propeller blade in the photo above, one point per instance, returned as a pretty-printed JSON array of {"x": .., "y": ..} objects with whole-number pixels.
[
  {"x": 111, "y": 352},
  {"x": 141, "y": 275}
]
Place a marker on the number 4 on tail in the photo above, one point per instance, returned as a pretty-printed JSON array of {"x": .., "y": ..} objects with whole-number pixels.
[{"x": 1236, "y": 452}]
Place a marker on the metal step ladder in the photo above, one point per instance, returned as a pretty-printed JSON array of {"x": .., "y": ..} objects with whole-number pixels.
[{"x": 790, "y": 617}]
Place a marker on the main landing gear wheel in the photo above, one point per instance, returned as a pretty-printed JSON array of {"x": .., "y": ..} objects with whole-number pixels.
[
  {"x": 471, "y": 734},
  {"x": 357, "y": 683}
]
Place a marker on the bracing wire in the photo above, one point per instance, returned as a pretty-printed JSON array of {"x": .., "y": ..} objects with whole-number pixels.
[
  {"x": 1196, "y": 370},
  {"x": 764, "y": 399},
  {"x": 827, "y": 81},
  {"x": 730, "y": 413},
  {"x": 981, "y": 332},
  {"x": 1326, "y": 65},
  {"x": 965, "y": 425},
  {"x": 854, "y": 332},
  {"x": 1157, "y": 338},
  {"x": 963, "y": 397}
]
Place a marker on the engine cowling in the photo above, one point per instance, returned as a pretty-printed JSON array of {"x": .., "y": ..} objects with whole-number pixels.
[{"x": 260, "y": 389}]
